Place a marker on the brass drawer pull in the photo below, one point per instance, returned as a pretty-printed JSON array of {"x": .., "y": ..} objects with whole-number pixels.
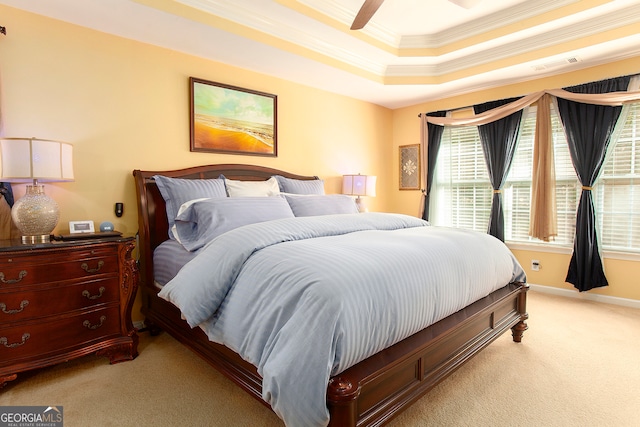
[
  {"x": 23, "y": 304},
  {"x": 86, "y": 268},
  {"x": 21, "y": 276},
  {"x": 88, "y": 324},
  {"x": 86, "y": 293},
  {"x": 25, "y": 337}
]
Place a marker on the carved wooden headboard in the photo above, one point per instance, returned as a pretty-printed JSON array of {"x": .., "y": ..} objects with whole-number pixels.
[{"x": 153, "y": 226}]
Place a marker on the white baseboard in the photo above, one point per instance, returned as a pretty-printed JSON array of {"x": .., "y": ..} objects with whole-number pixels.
[{"x": 626, "y": 302}]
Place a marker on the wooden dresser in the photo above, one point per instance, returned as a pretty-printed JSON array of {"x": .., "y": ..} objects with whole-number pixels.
[{"x": 62, "y": 300}]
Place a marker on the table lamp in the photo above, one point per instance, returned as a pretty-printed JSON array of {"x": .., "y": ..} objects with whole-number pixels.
[
  {"x": 359, "y": 185},
  {"x": 35, "y": 160}
]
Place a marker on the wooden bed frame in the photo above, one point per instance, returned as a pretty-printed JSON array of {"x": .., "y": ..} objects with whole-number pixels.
[{"x": 373, "y": 391}]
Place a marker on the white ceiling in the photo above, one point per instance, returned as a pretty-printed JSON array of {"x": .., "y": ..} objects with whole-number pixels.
[{"x": 411, "y": 51}]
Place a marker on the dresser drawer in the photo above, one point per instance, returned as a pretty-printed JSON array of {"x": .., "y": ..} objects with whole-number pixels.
[
  {"x": 57, "y": 299},
  {"x": 31, "y": 339},
  {"x": 18, "y": 270}
]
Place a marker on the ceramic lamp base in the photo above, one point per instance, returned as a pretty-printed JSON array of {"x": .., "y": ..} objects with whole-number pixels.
[
  {"x": 361, "y": 205},
  {"x": 35, "y": 215}
]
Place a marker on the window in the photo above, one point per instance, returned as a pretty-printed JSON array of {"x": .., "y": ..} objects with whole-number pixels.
[
  {"x": 461, "y": 184},
  {"x": 617, "y": 191},
  {"x": 517, "y": 206},
  {"x": 461, "y": 192}
]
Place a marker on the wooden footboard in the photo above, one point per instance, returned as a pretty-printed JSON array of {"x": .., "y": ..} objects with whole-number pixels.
[{"x": 378, "y": 388}]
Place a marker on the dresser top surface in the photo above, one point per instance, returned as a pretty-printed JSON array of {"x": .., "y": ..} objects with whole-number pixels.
[{"x": 14, "y": 245}]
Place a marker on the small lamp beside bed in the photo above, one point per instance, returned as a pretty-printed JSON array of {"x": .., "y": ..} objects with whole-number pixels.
[
  {"x": 31, "y": 160},
  {"x": 359, "y": 185}
]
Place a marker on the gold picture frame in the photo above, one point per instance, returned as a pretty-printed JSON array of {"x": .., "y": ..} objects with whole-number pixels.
[
  {"x": 233, "y": 120},
  {"x": 409, "y": 160}
]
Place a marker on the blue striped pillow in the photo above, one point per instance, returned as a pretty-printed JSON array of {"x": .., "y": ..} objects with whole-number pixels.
[
  {"x": 329, "y": 204},
  {"x": 205, "y": 220},
  {"x": 176, "y": 191},
  {"x": 300, "y": 186}
]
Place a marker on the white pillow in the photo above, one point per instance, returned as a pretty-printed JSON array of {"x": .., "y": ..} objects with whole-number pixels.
[{"x": 236, "y": 188}]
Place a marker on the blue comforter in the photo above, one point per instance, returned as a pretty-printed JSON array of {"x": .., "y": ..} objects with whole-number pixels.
[{"x": 303, "y": 299}]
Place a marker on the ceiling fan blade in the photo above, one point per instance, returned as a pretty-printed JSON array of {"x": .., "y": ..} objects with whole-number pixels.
[{"x": 369, "y": 7}]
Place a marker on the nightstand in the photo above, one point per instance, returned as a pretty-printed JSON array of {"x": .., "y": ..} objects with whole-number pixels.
[{"x": 65, "y": 299}]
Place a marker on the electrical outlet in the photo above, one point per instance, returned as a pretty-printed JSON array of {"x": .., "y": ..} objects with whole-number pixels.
[{"x": 535, "y": 265}]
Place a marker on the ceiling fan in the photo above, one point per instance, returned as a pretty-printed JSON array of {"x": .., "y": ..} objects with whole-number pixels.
[{"x": 369, "y": 8}]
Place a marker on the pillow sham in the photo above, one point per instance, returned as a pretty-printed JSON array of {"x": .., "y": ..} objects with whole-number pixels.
[
  {"x": 204, "y": 220},
  {"x": 309, "y": 205},
  {"x": 183, "y": 208},
  {"x": 237, "y": 188},
  {"x": 300, "y": 186},
  {"x": 177, "y": 191}
]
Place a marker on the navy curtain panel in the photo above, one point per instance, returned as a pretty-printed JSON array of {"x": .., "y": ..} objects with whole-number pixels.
[
  {"x": 7, "y": 192},
  {"x": 433, "y": 146},
  {"x": 498, "y": 140},
  {"x": 588, "y": 128}
]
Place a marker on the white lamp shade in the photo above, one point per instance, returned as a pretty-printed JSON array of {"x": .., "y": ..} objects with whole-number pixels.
[
  {"x": 26, "y": 159},
  {"x": 359, "y": 185}
]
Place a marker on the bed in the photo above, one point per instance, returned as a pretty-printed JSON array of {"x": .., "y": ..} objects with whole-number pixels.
[{"x": 369, "y": 392}]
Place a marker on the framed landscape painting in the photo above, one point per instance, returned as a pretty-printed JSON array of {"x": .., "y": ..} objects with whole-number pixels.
[
  {"x": 233, "y": 120},
  {"x": 410, "y": 167}
]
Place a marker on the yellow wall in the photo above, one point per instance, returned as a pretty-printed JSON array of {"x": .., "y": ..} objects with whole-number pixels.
[
  {"x": 124, "y": 105},
  {"x": 406, "y": 130}
]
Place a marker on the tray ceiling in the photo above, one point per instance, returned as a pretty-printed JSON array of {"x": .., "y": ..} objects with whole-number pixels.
[{"x": 411, "y": 51}]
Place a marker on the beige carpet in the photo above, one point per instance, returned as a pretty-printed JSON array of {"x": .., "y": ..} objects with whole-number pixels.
[{"x": 578, "y": 365}]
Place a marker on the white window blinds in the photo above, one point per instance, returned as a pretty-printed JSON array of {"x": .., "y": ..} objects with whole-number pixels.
[
  {"x": 617, "y": 191},
  {"x": 461, "y": 183}
]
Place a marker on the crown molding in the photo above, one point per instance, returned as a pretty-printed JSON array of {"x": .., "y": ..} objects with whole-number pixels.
[
  {"x": 512, "y": 15},
  {"x": 382, "y": 65},
  {"x": 628, "y": 16}
]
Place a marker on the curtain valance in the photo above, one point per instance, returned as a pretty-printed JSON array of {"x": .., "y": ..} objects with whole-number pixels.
[{"x": 610, "y": 99}]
